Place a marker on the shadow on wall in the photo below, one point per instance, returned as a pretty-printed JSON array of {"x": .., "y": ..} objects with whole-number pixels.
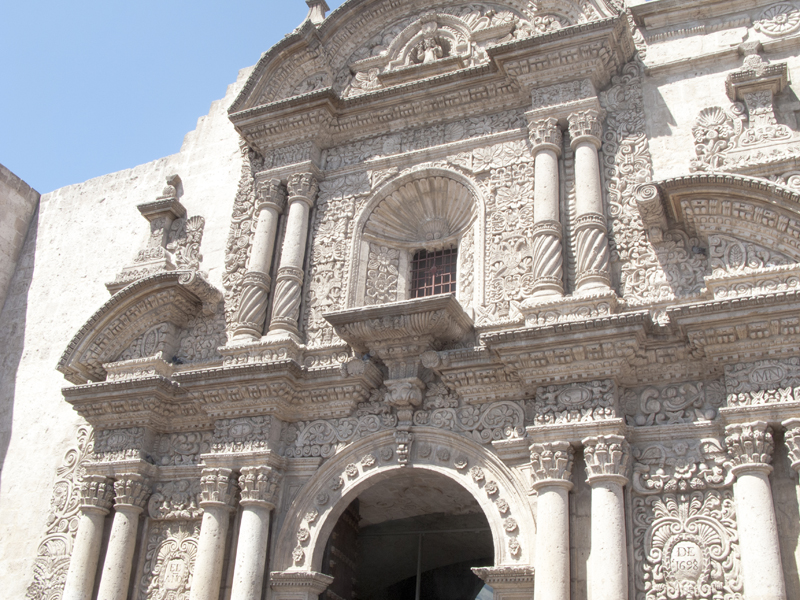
[{"x": 12, "y": 333}]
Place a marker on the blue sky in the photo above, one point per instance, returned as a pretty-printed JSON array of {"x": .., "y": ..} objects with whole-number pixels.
[{"x": 91, "y": 87}]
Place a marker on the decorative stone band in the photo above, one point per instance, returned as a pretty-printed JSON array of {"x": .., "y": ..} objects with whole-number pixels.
[
  {"x": 750, "y": 446},
  {"x": 270, "y": 194},
  {"x": 607, "y": 458},
  {"x": 97, "y": 492},
  {"x": 291, "y": 274},
  {"x": 511, "y": 577},
  {"x": 585, "y": 126},
  {"x": 590, "y": 221},
  {"x": 218, "y": 488},
  {"x": 298, "y": 584},
  {"x": 303, "y": 187},
  {"x": 792, "y": 440},
  {"x": 545, "y": 134},
  {"x": 551, "y": 228},
  {"x": 131, "y": 491},
  {"x": 259, "y": 486},
  {"x": 551, "y": 464}
]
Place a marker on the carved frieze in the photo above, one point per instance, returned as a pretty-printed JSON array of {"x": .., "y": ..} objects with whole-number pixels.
[
  {"x": 243, "y": 434},
  {"x": 672, "y": 404},
  {"x": 680, "y": 466},
  {"x": 175, "y": 500},
  {"x": 324, "y": 437},
  {"x": 763, "y": 382},
  {"x": 575, "y": 402},
  {"x": 122, "y": 444},
  {"x": 484, "y": 423}
]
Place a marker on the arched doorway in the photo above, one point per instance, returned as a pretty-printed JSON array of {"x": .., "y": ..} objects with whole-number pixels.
[{"x": 414, "y": 535}]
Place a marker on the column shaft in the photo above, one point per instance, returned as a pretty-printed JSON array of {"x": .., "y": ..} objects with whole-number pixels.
[
  {"x": 210, "y": 553},
  {"x": 552, "y": 542},
  {"x": 251, "y": 553},
  {"x": 85, "y": 555},
  {"x": 118, "y": 564},
  {"x": 608, "y": 579}
]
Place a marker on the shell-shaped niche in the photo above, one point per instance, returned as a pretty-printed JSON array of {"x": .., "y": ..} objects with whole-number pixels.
[{"x": 422, "y": 212}]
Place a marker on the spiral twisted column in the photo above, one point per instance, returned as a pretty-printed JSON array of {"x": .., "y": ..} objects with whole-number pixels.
[
  {"x": 97, "y": 492},
  {"x": 545, "y": 137},
  {"x": 132, "y": 491},
  {"x": 551, "y": 469},
  {"x": 303, "y": 190},
  {"x": 255, "y": 286},
  {"x": 593, "y": 258},
  {"x": 750, "y": 447}
]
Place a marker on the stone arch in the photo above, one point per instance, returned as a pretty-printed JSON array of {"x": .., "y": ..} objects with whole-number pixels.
[
  {"x": 449, "y": 219},
  {"x": 320, "y": 502}
]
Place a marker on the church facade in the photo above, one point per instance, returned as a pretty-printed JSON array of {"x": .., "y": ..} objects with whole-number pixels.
[{"x": 451, "y": 300}]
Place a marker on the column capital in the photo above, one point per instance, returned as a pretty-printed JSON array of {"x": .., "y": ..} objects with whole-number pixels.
[
  {"x": 607, "y": 458},
  {"x": 586, "y": 126},
  {"x": 132, "y": 490},
  {"x": 551, "y": 464},
  {"x": 545, "y": 134},
  {"x": 270, "y": 194},
  {"x": 218, "y": 488},
  {"x": 303, "y": 186},
  {"x": 792, "y": 440},
  {"x": 750, "y": 446},
  {"x": 259, "y": 486},
  {"x": 97, "y": 493}
]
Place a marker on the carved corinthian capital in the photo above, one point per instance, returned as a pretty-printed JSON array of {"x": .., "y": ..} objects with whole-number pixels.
[
  {"x": 606, "y": 458},
  {"x": 792, "y": 439},
  {"x": 750, "y": 446},
  {"x": 259, "y": 486},
  {"x": 585, "y": 126},
  {"x": 551, "y": 463},
  {"x": 545, "y": 134},
  {"x": 270, "y": 194},
  {"x": 303, "y": 186},
  {"x": 132, "y": 490},
  {"x": 218, "y": 487},
  {"x": 97, "y": 492}
]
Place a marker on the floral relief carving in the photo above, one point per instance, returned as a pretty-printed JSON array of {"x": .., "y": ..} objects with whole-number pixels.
[
  {"x": 324, "y": 437},
  {"x": 680, "y": 466},
  {"x": 779, "y": 19},
  {"x": 382, "y": 274},
  {"x": 176, "y": 500},
  {"x": 53, "y": 555},
  {"x": 686, "y": 546},
  {"x": 200, "y": 339},
  {"x": 728, "y": 254},
  {"x": 484, "y": 423},
  {"x": 574, "y": 403},
  {"x": 715, "y": 132},
  {"x": 169, "y": 560},
  {"x": 241, "y": 434},
  {"x": 121, "y": 444},
  {"x": 672, "y": 404}
]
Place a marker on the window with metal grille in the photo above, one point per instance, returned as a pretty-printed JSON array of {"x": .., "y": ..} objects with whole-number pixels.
[{"x": 433, "y": 272}]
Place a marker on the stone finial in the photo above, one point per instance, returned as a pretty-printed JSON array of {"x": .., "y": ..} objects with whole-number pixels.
[
  {"x": 606, "y": 457},
  {"x": 131, "y": 490},
  {"x": 97, "y": 492},
  {"x": 551, "y": 462},
  {"x": 270, "y": 194},
  {"x": 545, "y": 134},
  {"x": 750, "y": 445},
  {"x": 316, "y": 11},
  {"x": 259, "y": 486},
  {"x": 303, "y": 186},
  {"x": 585, "y": 126},
  {"x": 217, "y": 487},
  {"x": 792, "y": 440}
]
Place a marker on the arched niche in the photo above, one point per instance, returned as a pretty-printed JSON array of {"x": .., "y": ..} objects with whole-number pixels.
[
  {"x": 321, "y": 501},
  {"x": 424, "y": 209},
  {"x": 172, "y": 297}
]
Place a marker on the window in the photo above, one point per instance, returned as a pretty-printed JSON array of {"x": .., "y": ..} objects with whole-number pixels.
[{"x": 433, "y": 272}]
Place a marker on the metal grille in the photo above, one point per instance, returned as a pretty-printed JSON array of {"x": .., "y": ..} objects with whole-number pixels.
[{"x": 433, "y": 273}]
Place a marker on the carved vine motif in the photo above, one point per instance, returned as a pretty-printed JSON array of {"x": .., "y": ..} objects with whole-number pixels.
[
  {"x": 680, "y": 466},
  {"x": 200, "y": 339},
  {"x": 484, "y": 423},
  {"x": 574, "y": 403},
  {"x": 52, "y": 558},
  {"x": 169, "y": 560},
  {"x": 729, "y": 255},
  {"x": 715, "y": 132},
  {"x": 671, "y": 404},
  {"x": 686, "y": 546},
  {"x": 382, "y": 274},
  {"x": 182, "y": 448},
  {"x": 184, "y": 240},
  {"x": 323, "y": 438}
]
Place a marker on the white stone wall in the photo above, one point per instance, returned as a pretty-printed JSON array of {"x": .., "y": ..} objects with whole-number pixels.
[
  {"x": 81, "y": 237},
  {"x": 17, "y": 203}
]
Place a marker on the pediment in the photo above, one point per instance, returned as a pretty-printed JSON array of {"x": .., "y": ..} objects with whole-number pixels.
[{"x": 143, "y": 314}]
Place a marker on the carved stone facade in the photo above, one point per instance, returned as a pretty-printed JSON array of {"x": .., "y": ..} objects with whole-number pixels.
[{"x": 613, "y": 387}]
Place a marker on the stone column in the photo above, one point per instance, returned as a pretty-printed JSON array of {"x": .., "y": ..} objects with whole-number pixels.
[
  {"x": 792, "y": 440},
  {"x": 548, "y": 260},
  {"x": 750, "y": 448},
  {"x": 255, "y": 286},
  {"x": 551, "y": 468},
  {"x": 606, "y": 465},
  {"x": 585, "y": 129},
  {"x": 259, "y": 491},
  {"x": 288, "y": 289},
  {"x": 97, "y": 493},
  {"x": 132, "y": 491},
  {"x": 217, "y": 500}
]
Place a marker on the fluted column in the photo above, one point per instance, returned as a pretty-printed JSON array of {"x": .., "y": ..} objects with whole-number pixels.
[
  {"x": 288, "y": 288},
  {"x": 750, "y": 448},
  {"x": 218, "y": 496},
  {"x": 585, "y": 129},
  {"x": 132, "y": 491},
  {"x": 551, "y": 469},
  {"x": 259, "y": 487},
  {"x": 97, "y": 492},
  {"x": 255, "y": 286},
  {"x": 606, "y": 465},
  {"x": 548, "y": 260}
]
